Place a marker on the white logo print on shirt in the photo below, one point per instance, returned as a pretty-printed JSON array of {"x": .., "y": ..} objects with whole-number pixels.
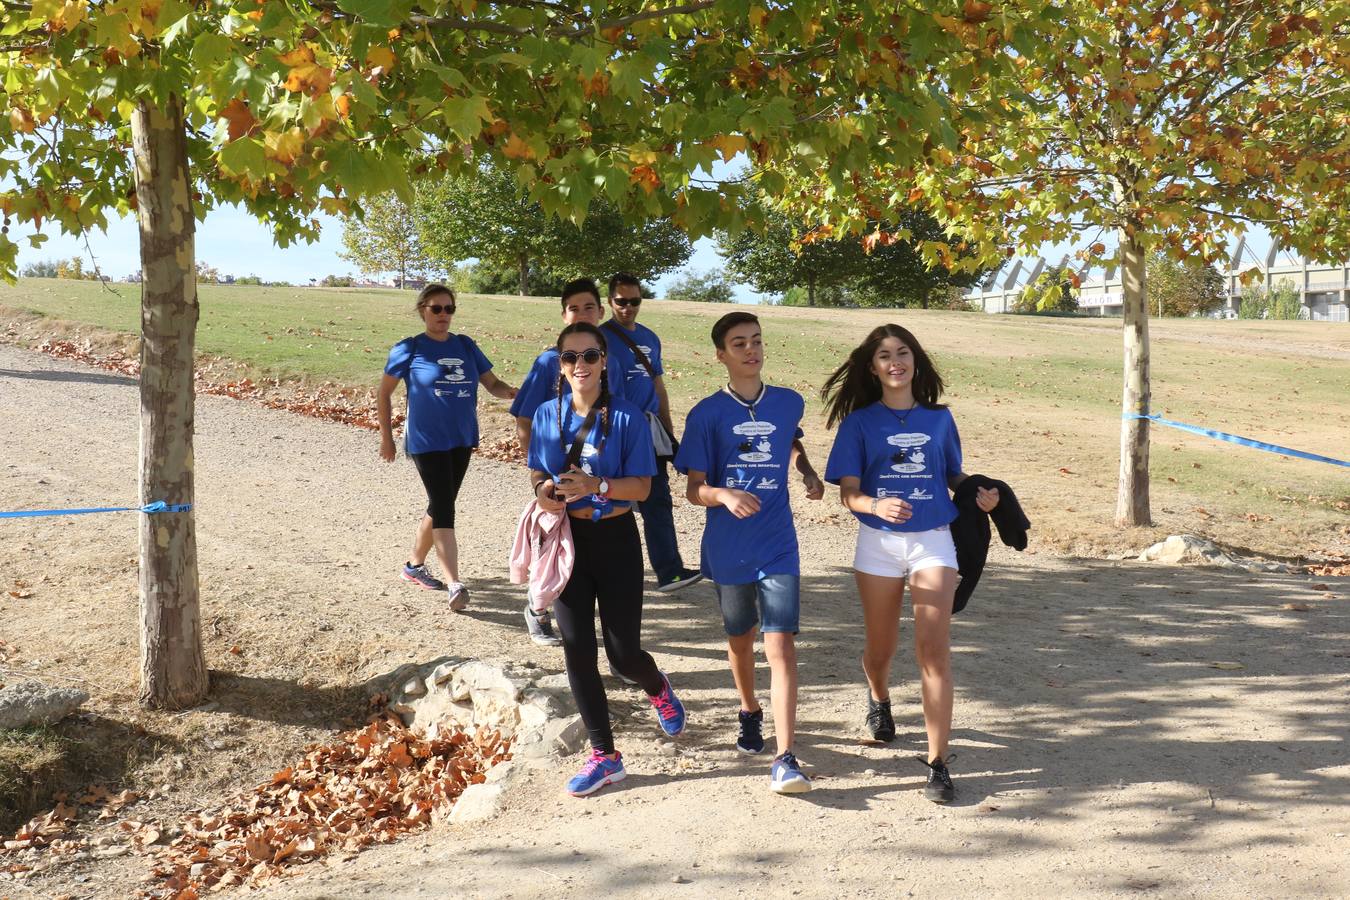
[
  {"x": 454, "y": 369},
  {"x": 910, "y": 459},
  {"x": 762, "y": 448}
]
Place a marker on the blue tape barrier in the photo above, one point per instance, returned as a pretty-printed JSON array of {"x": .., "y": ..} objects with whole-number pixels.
[
  {"x": 159, "y": 506},
  {"x": 1235, "y": 439}
]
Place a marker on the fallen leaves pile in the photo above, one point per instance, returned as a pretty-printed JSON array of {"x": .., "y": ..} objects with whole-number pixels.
[
  {"x": 345, "y": 405},
  {"x": 371, "y": 786},
  {"x": 1334, "y": 569},
  {"x": 54, "y": 830}
]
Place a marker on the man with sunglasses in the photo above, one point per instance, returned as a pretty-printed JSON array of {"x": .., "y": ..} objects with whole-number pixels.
[
  {"x": 580, "y": 303},
  {"x": 637, "y": 350}
]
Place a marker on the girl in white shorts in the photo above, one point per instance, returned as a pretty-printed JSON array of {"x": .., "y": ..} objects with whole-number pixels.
[{"x": 896, "y": 456}]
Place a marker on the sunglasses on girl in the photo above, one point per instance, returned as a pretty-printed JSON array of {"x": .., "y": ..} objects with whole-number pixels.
[
  {"x": 437, "y": 309},
  {"x": 627, "y": 301},
  {"x": 590, "y": 357}
]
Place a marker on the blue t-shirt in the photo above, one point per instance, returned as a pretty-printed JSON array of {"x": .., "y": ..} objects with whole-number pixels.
[
  {"x": 442, "y": 381},
  {"x": 751, "y": 453},
  {"x": 638, "y": 385},
  {"x": 625, "y": 452},
  {"x": 541, "y": 384},
  {"x": 911, "y": 462}
]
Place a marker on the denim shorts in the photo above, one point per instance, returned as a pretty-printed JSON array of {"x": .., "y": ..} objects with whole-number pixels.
[{"x": 774, "y": 601}]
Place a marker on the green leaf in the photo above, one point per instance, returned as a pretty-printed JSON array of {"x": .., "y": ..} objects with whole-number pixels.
[
  {"x": 245, "y": 156},
  {"x": 466, "y": 115}
]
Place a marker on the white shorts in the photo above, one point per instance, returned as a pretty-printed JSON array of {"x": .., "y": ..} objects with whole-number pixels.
[{"x": 897, "y": 554}]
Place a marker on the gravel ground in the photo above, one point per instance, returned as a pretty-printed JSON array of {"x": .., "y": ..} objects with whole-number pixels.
[{"x": 1098, "y": 750}]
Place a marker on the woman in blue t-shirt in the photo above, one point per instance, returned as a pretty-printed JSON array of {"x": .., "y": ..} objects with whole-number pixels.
[
  {"x": 442, "y": 372},
  {"x": 895, "y": 457},
  {"x": 592, "y": 454}
]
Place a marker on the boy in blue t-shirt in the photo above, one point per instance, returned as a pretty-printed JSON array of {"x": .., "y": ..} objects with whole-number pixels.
[
  {"x": 738, "y": 448},
  {"x": 637, "y": 350}
]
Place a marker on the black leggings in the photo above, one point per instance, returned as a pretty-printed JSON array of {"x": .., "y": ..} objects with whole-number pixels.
[
  {"x": 609, "y": 569},
  {"x": 442, "y": 473}
]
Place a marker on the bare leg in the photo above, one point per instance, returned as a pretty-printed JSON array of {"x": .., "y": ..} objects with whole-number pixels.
[
  {"x": 881, "y": 598},
  {"x": 447, "y": 551},
  {"x": 421, "y": 542},
  {"x": 741, "y": 655},
  {"x": 931, "y": 592},
  {"x": 781, "y": 649}
]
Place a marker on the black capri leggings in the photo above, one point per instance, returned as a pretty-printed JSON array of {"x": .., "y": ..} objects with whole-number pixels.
[
  {"x": 442, "y": 473},
  {"x": 608, "y": 569}
]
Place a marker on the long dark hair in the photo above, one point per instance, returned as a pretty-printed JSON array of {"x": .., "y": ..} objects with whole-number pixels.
[
  {"x": 854, "y": 385},
  {"x": 603, "y": 401}
]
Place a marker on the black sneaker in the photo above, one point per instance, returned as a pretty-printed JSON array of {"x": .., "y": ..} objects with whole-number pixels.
[
  {"x": 939, "y": 788},
  {"x": 751, "y": 739},
  {"x": 879, "y": 722},
  {"x": 681, "y": 581}
]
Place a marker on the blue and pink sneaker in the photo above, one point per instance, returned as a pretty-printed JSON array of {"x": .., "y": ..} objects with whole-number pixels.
[
  {"x": 419, "y": 576},
  {"x": 598, "y": 771},
  {"x": 669, "y": 709}
]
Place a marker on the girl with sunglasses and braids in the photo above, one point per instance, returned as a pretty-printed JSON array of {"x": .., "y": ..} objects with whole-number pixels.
[
  {"x": 592, "y": 454},
  {"x": 442, "y": 372},
  {"x": 895, "y": 457}
]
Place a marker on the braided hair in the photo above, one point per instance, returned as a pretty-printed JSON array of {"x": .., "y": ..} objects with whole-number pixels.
[{"x": 604, "y": 400}]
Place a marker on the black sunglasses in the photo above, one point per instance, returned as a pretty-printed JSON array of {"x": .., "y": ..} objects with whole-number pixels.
[
  {"x": 590, "y": 357},
  {"x": 627, "y": 301},
  {"x": 437, "y": 309}
]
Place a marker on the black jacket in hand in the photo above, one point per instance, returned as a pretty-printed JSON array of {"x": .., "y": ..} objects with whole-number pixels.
[{"x": 970, "y": 531}]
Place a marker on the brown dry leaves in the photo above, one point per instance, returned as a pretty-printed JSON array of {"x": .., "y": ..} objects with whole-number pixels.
[
  {"x": 371, "y": 786},
  {"x": 54, "y": 830}
]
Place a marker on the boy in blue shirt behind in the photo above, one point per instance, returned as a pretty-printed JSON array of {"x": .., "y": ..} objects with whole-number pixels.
[{"x": 738, "y": 447}]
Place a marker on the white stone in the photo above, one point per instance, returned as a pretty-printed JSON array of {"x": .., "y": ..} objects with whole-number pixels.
[
  {"x": 32, "y": 703},
  {"x": 478, "y": 802}
]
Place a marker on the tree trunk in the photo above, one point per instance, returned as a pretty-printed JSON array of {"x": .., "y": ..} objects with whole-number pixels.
[
  {"x": 524, "y": 275},
  {"x": 810, "y": 290},
  {"x": 173, "y": 667},
  {"x": 1132, "y": 507}
]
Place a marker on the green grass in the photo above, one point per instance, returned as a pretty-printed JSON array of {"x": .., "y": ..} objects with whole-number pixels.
[
  {"x": 30, "y": 760},
  {"x": 1033, "y": 395}
]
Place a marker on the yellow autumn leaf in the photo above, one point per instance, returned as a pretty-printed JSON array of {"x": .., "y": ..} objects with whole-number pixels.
[
  {"x": 728, "y": 145},
  {"x": 380, "y": 58},
  {"x": 284, "y": 146},
  {"x": 517, "y": 149},
  {"x": 300, "y": 56},
  {"x": 642, "y": 157},
  {"x": 20, "y": 119},
  {"x": 758, "y": 16}
]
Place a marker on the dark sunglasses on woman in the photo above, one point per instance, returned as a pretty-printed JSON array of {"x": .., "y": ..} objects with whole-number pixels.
[
  {"x": 437, "y": 309},
  {"x": 590, "y": 357}
]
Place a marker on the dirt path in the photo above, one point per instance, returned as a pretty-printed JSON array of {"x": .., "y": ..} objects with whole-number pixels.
[{"x": 1099, "y": 752}]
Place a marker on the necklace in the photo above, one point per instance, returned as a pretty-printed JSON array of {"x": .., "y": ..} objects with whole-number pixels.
[
  {"x": 748, "y": 404},
  {"x": 899, "y": 456}
]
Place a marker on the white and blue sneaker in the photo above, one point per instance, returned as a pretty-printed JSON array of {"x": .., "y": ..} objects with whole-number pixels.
[
  {"x": 598, "y": 771},
  {"x": 786, "y": 776}
]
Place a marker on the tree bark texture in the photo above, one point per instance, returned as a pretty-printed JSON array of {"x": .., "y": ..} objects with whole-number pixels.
[
  {"x": 810, "y": 290},
  {"x": 1132, "y": 506},
  {"x": 173, "y": 666},
  {"x": 524, "y": 275}
]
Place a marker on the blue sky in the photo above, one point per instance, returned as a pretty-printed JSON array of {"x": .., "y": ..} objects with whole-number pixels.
[{"x": 235, "y": 243}]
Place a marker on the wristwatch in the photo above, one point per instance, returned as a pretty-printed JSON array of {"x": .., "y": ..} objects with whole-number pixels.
[{"x": 602, "y": 490}]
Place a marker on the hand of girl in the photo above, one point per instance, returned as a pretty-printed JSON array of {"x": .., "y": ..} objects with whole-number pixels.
[
  {"x": 893, "y": 509},
  {"x": 741, "y": 504},
  {"x": 387, "y": 451},
  {"x": 815, "y": 488},
  {"x": 575, "y": 484},
  {"x": 547, "y": 498},
  {"x": 986, "y": 498}
]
